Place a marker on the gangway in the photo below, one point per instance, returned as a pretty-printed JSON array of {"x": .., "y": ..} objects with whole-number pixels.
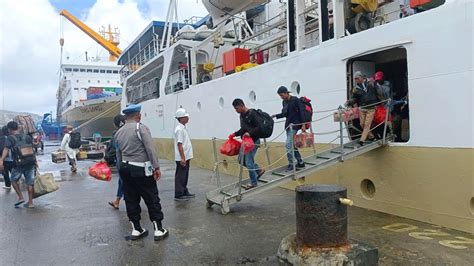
[{"x": 226, "y": 195}]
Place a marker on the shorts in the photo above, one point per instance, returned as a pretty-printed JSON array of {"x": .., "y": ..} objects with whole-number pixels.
[{"x": 27, "y": 171}]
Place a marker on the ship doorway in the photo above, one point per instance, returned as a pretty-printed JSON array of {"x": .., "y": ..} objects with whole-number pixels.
[{"x": 393, "y": 64}]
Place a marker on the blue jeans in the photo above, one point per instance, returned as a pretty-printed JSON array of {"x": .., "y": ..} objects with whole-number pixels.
[
  {"x": 27, "y": 171},
  {"x": 290, "y": 134},
  {"x": 249, "y": 163}
]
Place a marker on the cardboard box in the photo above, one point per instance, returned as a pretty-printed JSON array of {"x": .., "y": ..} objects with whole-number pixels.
[{"x": 58, "y": 156}]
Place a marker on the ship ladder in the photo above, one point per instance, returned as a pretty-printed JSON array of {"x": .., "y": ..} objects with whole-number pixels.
[{"x": 226, "y": 195}]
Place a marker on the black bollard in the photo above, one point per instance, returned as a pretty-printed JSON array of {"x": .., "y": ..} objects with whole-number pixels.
[{"x": 321, "y": 219}]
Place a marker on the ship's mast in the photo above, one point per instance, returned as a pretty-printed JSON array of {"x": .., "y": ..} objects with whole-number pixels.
[{"x": 171, "y": 17}]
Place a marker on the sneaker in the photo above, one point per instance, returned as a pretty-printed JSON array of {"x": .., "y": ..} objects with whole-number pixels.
[
  {"x": 137, "y": 232},
  {"x": 160, "y": 232},
  {"x": 300, "y": 165},
  {"x": 181, "y": 198},
  {"x": 189, "y": 195},
  {"x": 5, "y": 187},
  {"x": 289, "y": 168},
  {"x": 361, "y": 143}
]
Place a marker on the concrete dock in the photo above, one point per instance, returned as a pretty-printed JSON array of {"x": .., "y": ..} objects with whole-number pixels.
[{"x": 76, "y": 226}]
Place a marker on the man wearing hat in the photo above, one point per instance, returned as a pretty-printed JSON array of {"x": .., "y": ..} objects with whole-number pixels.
[
  {"x": 294, "y": 111},
  {"x": 183, "y": 150},
  {"x": 140, "y": 170},
  {"x": 365, "y": 96}
]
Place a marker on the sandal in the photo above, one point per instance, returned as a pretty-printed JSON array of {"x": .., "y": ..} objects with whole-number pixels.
[
  {"x": 260, "y": 173},
  {"x": 111, "y": 203},
  {"x": 18, "y": 203},
  {"x": 249, "y": 186},
  {"x": 26, "y": 205}
]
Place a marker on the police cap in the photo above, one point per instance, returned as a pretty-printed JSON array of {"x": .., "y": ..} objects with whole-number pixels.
[{"x": 132, "y": 108}]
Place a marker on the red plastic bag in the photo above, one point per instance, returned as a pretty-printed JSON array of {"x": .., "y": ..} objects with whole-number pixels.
[
  {"x": 304, "y": 140},
  {"x": 248, "y": 144},
  {"x": 231, "y": 147},
  {"x": 380, "y": 114},
  {"x": 100, "y": 171}
]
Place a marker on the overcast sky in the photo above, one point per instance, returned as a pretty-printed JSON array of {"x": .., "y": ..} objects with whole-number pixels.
[{"x": 29, "y": 40}]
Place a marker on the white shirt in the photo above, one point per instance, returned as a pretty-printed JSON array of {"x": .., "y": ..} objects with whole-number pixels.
[
  {"x": 71, "y": 153},
  {"x": 181, "y": 136}
]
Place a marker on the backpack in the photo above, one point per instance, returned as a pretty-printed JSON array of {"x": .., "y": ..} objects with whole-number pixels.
[
  {"x": 75, "y": 140},
  {"x": 22, "y": 151},
  {"x": 308, "y": 114},
  {"x": 266, "y": 126}
]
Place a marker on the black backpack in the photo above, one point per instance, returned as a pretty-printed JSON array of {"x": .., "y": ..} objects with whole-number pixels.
[
  {"x": 308, "y": 108},
  {"x": 266, "y": 126},
  {"x": 75, "y": 140},
  {"x": 22, "y": 150}
]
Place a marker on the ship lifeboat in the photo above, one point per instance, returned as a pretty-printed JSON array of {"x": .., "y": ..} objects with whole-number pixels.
[
  {"x": 202, "y": 33},
  {"x": 187, "y": 33},
  {"x": 221, "y": 10}
]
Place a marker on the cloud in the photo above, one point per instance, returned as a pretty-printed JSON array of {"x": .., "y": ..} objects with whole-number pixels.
[{"x": 30, "y": 51}]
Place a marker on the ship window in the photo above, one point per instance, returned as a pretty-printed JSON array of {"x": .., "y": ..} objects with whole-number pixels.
[
  {"x": 83, "y": 70},
  {"x": 76, "y": 89},
  {"x": 96, "y": 71},
  {"x": 109, "y": 71},
  {"x": 75, "y": 69},
  {"x": 108, "y": 81},
  {"x": 89, "y": 81},
  {"x": 393, "y": 64},
  {"x": 89, "y": 70},
  {"x": 68, "y": 69},
  {"x": 115, "y": 71},
  {"x": 98, "y": 81},
  {"x": 102, "y": 71}
]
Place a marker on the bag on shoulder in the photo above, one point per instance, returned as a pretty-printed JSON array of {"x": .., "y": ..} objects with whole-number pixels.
[
  {"x": 308, "y": 108},
  {"x": 266, "y": 126},
  {"x": 23, "y": 152},
  {"x": 75, "y": 140}
]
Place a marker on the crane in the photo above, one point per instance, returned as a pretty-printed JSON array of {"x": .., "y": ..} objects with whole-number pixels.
[{"x": 110, "y": 44}]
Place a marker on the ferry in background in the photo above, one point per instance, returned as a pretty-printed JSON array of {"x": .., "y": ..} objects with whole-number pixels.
[
  {"x": 314, "y": 47},
  {"x": 89, "y": 97}
]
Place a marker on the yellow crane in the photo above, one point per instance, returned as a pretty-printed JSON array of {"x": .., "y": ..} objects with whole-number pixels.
[{"x": 110, "y": 44}]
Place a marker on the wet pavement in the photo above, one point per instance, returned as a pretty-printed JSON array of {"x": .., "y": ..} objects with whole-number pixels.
[{"x": 75, "y": 225}]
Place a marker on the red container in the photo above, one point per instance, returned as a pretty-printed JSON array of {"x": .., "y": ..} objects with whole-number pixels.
[
  {"x": 233, "y": 58},
  {"x": 417, "y": 3}
]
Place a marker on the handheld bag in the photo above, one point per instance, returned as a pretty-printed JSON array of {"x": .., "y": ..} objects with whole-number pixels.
[
  {"x": 231, "y": 147},
  {"x": 380, "y": 113},
  {"x": 248, "y": 144},
  {"x": 100, "y": 171},
  {"x": 304, "y": 140},
  {"x": 44, "y": 184}
]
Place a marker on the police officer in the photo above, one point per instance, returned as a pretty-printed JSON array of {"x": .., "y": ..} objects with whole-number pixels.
[{"x": 140, "y": 170}]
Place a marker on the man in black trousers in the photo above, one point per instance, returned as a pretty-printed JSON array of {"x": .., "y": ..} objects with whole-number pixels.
[{"x": 183, "y": 150}]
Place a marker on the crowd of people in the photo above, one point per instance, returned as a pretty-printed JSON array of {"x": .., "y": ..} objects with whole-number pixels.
[{"x": 132, "y": 151}]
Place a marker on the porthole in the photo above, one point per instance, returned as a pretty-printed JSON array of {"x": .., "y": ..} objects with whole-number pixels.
[
  {"x": 221, "y": 102},
  {"x": 295, "y": 87},
  {"x": 199, "y": 106},
  {"x": 367, "y": 188},
  {"x": 252, "y": 97}
]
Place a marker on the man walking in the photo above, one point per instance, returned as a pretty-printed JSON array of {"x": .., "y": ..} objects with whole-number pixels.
[
  {"x": 71, "y": 143},
  {"x": 294, "y": 111},
  {"x": 365, "y": 96},
  {"x": 250, "y": 122},
  {"x": 183, "y": 152},
  {"x": 139, "y": 170},
  {"x": 24, "y": 162}
]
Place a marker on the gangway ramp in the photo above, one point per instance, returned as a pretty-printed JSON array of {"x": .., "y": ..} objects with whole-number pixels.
[{"x": 227, "y": 195}]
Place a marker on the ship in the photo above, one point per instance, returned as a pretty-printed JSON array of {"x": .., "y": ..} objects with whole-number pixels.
[
  {"x": 89, "y": 92},
  {"x": 314, "y": 48},
  {"x": 89, "y": 97}
]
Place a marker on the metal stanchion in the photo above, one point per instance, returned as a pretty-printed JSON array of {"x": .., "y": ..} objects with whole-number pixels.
[
  {"x": 216, "y": 162},
  {"x": 387, "y": 112},
  {"x": 341, "y": 138}
]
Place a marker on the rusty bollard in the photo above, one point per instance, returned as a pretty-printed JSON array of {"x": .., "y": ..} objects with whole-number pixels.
[
  {"x": 321, "y": 219},
  {"x": 321, "y": 231}
]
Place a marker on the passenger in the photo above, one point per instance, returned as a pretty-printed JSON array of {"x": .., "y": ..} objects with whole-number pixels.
[
  {"x": 365, "y": 96},
  {"x": 8, "y": 163},
  {"x": 24, "y": 162},
  {"x": 183, "y": 153},
  {"x": 294, "y": 111},
  {"x": 250, "y": 122},
  {"x": 71, "y": 152},
  {"x": 382, "y": 86},
  {"x": 405, "y": 9},
  {"x": 111, "y": 159},
  {"x": 140, "y": 170}
]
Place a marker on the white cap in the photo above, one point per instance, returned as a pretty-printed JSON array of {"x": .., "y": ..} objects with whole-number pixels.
[{"x": 181, "y": 112}]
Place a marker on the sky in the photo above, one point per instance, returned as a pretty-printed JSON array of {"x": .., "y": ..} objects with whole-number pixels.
[{"x": 29, "y": 41}]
